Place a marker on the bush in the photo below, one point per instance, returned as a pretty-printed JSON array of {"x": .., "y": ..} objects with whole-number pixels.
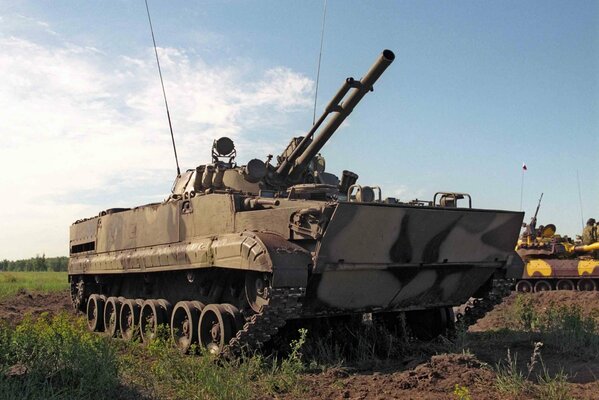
[
  {"x": 55, "y": 358},
  {"x": 524, "y": 312},
  {"x": 563, "y": 327},
  {"x": 567, "y": 329}
]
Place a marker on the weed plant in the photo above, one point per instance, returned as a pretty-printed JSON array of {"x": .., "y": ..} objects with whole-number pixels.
[
  {"x": 461, "y": 392},
  {"x": 55, "y": 358},
  {"x": 337, "y": 343},
  {"x": 552, "y": 387},
  {"x": 509, "y": 380},
  {"x": 563, "y": 327},
  {"x": 162, "y": 371}
]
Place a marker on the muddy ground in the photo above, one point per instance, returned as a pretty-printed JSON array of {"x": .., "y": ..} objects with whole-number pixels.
[
  {"x": 484, "y": 346},
  {"x": 471, "y": 365},
  {"x": 14, "y": 308}
]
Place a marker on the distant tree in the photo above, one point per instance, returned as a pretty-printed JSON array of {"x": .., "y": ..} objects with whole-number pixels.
[
  {"x": 37, "y": 263},
  {"x": 57, "y": 263}
]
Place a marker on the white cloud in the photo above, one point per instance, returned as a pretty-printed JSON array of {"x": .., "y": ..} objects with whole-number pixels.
[
  {"x": 404, "y": 193},
  {"x": 76, "y": 121}
]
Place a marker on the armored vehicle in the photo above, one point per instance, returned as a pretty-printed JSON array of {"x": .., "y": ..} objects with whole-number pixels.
[
  {"x": 555, "y": 262},
  {"x": 236, "y": 251}
]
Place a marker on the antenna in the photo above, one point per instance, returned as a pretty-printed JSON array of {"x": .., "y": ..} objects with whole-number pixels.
[
  {"x": 168, "y": 115},
  {"x": 324, "y": 17}
]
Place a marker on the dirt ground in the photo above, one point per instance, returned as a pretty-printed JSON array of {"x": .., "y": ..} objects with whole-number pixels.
[
  {"x": 419, "y": 377},
  {"x": 435, "y": 377},
  {"x": 14, "y": 308}
]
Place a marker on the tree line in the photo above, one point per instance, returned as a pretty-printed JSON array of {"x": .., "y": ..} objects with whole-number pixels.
[{"x": 37, "y": 263}]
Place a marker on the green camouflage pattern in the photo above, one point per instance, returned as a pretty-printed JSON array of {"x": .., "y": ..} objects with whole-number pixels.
[
  {"x": 369, "y": 256},
  {"x": 235, "y": 251}
]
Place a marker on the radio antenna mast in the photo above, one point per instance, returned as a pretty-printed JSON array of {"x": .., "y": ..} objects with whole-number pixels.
[
  {"x": 324, "y": 17},
  {"x": 168, "y": 115}
]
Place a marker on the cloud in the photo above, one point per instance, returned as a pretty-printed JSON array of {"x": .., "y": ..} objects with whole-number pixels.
[
  {"x": 78, "y": 124},
  {"x": 405, "y": 193}
]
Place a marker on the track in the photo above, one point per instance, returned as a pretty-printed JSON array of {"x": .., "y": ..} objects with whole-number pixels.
[
  {"x": 225, "y": 328},
  {"x": 284, "y": 304},
  {"x": 476, "y": 308}
]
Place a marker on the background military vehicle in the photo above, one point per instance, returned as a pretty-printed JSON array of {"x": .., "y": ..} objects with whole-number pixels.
[
  {"x": 236, "y": 251},
  {"x": 555, "y": 262}
]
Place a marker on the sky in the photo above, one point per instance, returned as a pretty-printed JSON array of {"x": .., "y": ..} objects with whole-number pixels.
[{"x": 477, "y": 89}]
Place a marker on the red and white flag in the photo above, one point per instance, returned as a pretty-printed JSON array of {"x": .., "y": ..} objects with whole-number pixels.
[{"x": 524, "y": 168}]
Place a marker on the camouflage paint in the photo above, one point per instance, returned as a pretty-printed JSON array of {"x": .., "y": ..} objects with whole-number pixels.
[
  {"x": 369, "y": 257},
  {"x": 561, "y": 268}
]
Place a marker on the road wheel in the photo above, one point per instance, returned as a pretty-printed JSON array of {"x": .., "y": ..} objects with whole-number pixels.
[
  {"x": 95, "y": 312},
  {"x": 586, "y": 285},
  {"x": 256, "y": 290},
  {"x": 153, "y": 314},
  {"x": 236, "y": 317},
  {"x": 215, "y": 328},
  {"x": 564, "y": 284},
  {"x": 129, "y": 318},
  {"x": 542, "y": 286},
  {"x": 184, "y": 323},
  {"x": 524, "y": 287},
  {"x": 428, "y": 324},
  {"x": 112, "y": 312}
]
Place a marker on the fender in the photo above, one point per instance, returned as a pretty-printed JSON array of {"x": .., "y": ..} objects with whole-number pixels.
[
  {"x": 288, "y": 262},
  {"x": 255, "y": 251}
]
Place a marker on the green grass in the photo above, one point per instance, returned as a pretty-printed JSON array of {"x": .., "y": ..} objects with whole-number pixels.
[
  {"x": 44, "y": 282},
  {"x": 163, "y": 372},
  {"x": 563, "y": 327},
  {"x": 560, "y": 328},
  {"x": 56, "y": 358}
]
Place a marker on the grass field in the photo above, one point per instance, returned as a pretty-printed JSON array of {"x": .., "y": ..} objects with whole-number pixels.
[
  {"x": 52, "y": 355},
  {"x": 12, "y": 282}
]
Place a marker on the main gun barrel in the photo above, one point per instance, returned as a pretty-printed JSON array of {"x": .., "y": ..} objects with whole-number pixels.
[
  {"x": 293, "y": 167},
  {"x": 586, "y": 248}
]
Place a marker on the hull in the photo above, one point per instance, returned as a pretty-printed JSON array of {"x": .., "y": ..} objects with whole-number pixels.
[
  {"x": 377, "y": 257},
  {"x": 367, "y": 257},
  {"x": 544, "y": 274}
]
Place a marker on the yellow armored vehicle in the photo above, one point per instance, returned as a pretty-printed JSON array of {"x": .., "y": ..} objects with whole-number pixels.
[
  {"x": 235, "y": 251},
  {"x": 555, "y": 262}
]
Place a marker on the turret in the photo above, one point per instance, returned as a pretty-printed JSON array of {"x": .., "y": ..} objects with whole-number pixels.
[{"x": 224, "y": 174}]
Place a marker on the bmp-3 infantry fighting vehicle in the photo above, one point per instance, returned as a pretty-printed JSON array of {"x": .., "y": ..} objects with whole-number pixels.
[
  {"x": 555, "y": 262},
  {"x": 236, "y": 251}
]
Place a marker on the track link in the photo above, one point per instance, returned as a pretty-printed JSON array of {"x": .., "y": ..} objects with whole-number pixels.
[
  {"x": 477, "y": 308},
  {"x": 284, "y": 304}
]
